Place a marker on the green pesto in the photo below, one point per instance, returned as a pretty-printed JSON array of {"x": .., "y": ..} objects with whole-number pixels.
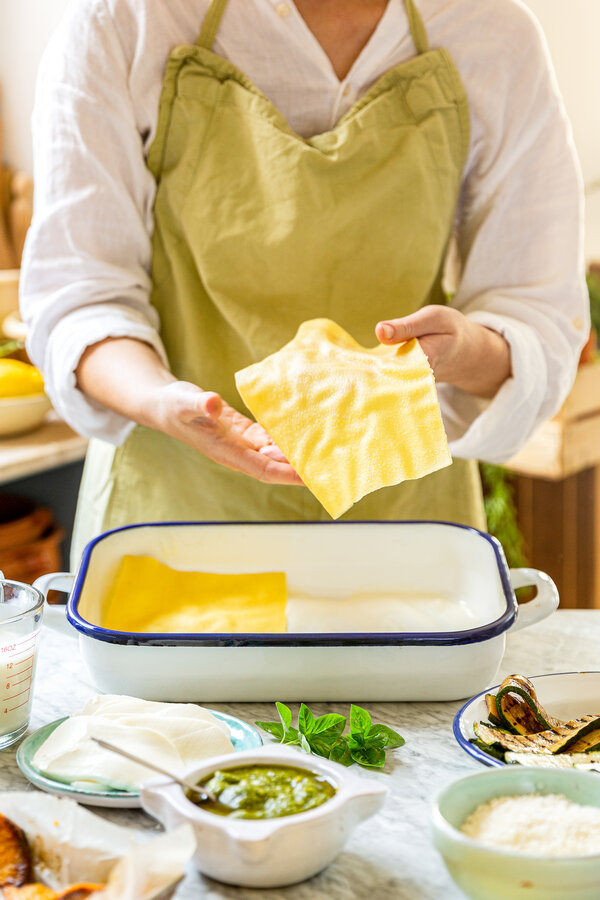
[{"x": 265, "y": 792}]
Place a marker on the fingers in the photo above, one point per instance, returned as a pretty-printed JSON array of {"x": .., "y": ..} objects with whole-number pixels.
[
  {"x": 257, "y": 437},
  {"x": 431, "y": 319},
  {"x": 203, "y": 420},
  {"x": 202, "y": 407},
  {"x": 271, "y": 471},
  {"x": 273, "y": 452}
]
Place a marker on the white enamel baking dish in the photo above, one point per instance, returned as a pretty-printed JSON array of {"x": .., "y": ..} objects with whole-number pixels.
[{"x": 324, "y": 559}]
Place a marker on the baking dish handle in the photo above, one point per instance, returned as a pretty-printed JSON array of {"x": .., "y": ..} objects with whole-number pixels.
[
  {"x": 55, "y": 613},
  {"x": 542, "y": 605}
]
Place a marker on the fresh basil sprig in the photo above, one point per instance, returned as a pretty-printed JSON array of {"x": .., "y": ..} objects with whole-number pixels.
[{"x": 365, "y": 743}]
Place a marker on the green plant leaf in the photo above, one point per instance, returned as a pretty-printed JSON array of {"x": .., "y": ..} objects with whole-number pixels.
[
  {"x": 332, "y": 723},
  {"x": 306, "y": 720},
  {"x": 304, "y": 743},
  {"x": 290, "y": 736},
  {"x": 285, "y": 714},
  {"x": 501, "y": 512},
  {"x": 365, "y": 744},
  {"x": 372, "y": 756},
  {"x": 356, "y": 741},
  {"x": 360, "y": 720},
  {"x": 274, "y": 728},
  {"x": 320, "y": 745},
  {"x": 593, "y": 283},
  {"x": 391, "y": 738},
  {"x": 340, "y": 752},
  {"x": 374, "y": 740}
]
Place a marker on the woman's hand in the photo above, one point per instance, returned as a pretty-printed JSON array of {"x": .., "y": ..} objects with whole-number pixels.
[
  {"x": 128, "y": 377},
  {"x": 460, "y": 352},
  {"x": 204, "y": 421}
]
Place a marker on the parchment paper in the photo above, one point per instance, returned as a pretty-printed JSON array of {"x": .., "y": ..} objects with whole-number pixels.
[{"x": 71, "y": 844}]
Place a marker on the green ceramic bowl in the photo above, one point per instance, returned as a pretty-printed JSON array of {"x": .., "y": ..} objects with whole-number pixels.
[{"x": 484, "y": 873}]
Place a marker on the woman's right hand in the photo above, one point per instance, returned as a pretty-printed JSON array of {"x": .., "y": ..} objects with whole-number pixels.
[
  {"x": 203, "y": 420},
  {"x": 127, "y": 376}
]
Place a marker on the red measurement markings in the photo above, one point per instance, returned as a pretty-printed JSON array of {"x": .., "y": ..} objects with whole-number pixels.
[
  {"x": 12, "y": 708},
  {"x": 20, "y": 671},
  {"x": 18, "y": 645},
  {"x": 25, "y": 659},
  {"x": 10, "y": 684},
  {"x": 29, "y": 637},
  {"x": 19, "y": 651},
  {"x": 20, "y": 694}
]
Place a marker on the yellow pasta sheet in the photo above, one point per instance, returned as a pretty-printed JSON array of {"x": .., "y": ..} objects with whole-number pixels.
[
  {"x": 150, "y": 597},
  {"x": 349, "y": 419}
]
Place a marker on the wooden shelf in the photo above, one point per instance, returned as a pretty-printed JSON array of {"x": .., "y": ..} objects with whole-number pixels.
[{"x": 53, "y": 444}]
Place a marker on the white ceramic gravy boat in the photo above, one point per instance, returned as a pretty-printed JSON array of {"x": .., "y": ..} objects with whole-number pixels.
[{"x": 268, "y": 852}]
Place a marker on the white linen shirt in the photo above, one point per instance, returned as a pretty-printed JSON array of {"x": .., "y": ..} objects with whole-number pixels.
[{"x": 86, "y": 268}]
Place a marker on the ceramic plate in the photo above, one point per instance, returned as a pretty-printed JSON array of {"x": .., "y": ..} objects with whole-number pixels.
[
  {"x": 243, "y": 737},
  {"x": 566, "y": 696}
]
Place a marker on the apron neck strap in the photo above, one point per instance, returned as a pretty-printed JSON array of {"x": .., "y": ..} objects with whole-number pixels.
[
  {"x": 211, "y": 23},
  {"x": 213, "y": 17},
  {"x": 417, "y": 28}
]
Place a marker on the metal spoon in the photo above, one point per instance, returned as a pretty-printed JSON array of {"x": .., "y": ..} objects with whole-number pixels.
[{"x": 201, "y": 794}]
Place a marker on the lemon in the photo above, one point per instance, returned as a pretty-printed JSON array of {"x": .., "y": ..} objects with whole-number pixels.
[{"x": 19, "y": 379}]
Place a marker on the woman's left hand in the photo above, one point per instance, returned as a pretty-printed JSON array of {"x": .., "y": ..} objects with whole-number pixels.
[{"x": 460, "y": 352}]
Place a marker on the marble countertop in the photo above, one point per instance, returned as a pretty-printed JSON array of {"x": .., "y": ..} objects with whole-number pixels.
[{"x": 390, "y": 856}]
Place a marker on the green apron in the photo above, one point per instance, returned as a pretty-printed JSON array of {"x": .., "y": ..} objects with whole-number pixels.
[{"x": 258, "y": 229}]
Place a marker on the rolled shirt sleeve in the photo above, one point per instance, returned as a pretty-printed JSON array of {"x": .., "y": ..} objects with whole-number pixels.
[
  {"x": 520, "y": 238},
  {"x": 86, "y": 266}
]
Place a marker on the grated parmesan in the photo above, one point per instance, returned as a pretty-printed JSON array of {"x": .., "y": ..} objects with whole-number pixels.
[{"x": 536, "y": 824}]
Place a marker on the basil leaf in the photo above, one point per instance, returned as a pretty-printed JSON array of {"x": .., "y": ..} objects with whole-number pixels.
[
  {"x": 306, "y": 720},
  {"x": 319, "y": 745},
  {"x": 290, "y": 736},
  {"x": 375, "y": 740},
  {"x": 365, "y": 744},
  {"x": 274, "y": 728},
  {"x": 340, "y": 753},
  {"x": 374, "y": 757},
  {"x": 330, "y": 724},
  {"x": 360, "y": 720},
  {"x": 392, "y": 738},
  {"x": 285, "y": 714},
  {"x": 304, "y": 743},
  {"x": 356, "y": 741}
]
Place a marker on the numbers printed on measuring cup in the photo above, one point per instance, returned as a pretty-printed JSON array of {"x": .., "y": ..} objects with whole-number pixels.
[{"x": 18, "y": 675}]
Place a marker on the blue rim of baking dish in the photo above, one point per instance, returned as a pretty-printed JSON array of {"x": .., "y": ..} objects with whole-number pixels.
[{"x": 320, "y": 639}]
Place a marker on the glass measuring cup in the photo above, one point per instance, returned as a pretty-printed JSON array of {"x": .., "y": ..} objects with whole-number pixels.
[{"x": 21, "y": 608}]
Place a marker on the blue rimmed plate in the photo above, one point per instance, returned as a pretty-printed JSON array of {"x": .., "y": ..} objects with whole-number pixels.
[
  {"x": 243, "y": 737},
  {"x": 566, "y": 695}
]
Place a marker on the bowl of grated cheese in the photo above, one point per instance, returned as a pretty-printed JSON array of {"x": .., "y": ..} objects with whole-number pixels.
[{"x": 519, "y": 832}]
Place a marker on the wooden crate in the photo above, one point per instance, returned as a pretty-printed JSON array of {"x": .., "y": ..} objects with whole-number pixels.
[
  {"x": 558, "y": 494},
  {"x": 560, "y": 522},
  {"x": 570, "y": 442}
]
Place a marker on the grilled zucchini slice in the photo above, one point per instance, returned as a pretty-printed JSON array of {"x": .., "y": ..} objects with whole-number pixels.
[
  {"x": 516, "y": 715},
  {"x": 521, "y": 686},
  {"x": 550, "y": 741},
  {"x": 490, "y": 702}
]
